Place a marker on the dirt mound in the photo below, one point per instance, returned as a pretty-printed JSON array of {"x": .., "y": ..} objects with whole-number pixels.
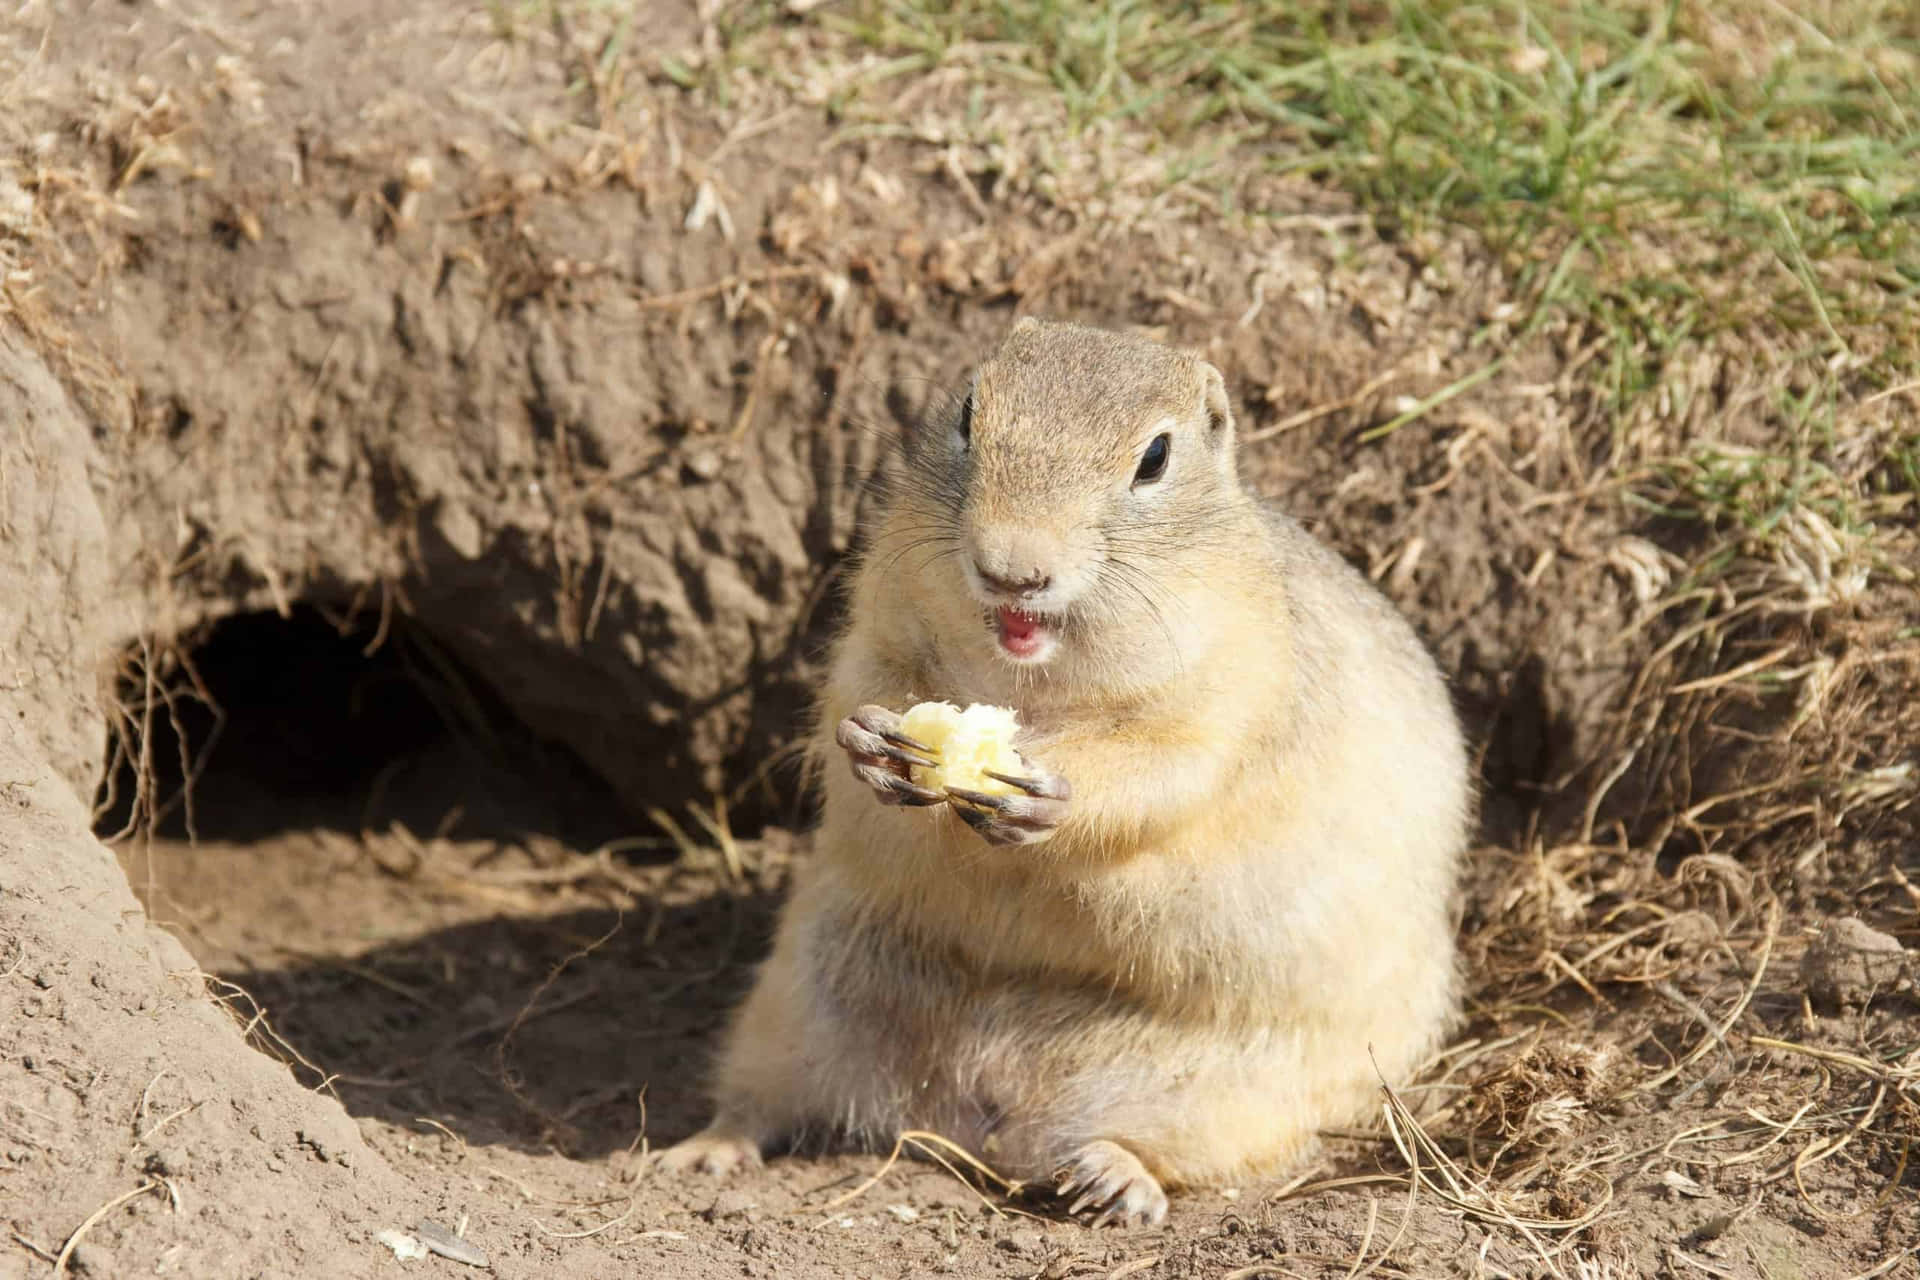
[{"x": 116, "y": 1071}]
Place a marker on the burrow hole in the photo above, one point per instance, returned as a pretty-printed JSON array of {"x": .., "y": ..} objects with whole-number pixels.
[{"x": 264, "y": 724}]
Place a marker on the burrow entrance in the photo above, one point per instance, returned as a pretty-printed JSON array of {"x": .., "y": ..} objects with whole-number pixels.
[
  {"x": 264, "y": 724},
  {"x": 433, "y": 911}
]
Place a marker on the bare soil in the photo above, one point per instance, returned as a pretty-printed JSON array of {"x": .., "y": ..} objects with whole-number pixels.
[{"x": 392, "y": 452}]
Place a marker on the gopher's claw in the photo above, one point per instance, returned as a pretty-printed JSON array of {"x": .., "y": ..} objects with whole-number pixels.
[
  {"x": 894, "y": 789},
  {"x": 1050, "y": 786},
  {"x": 899, "y": 739},
  {"x": 1017, "y": 819},
  {"x": 1108, "y": 1182},
  {"x": 882, "y": 756},
  {"x": 714, "y": 1152},
  {"x": 900, "y": 756}
]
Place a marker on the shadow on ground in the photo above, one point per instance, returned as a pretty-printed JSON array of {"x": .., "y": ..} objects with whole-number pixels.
[{"x": 542, "y": 1033}]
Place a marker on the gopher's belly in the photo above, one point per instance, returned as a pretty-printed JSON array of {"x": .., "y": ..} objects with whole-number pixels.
[{"x": 917, "y": 1037}]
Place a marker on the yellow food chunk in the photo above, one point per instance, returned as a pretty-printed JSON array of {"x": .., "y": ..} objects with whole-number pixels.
[{"x": 967, "y": 744}]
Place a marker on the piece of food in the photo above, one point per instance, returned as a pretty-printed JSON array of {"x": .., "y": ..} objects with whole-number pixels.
[{"x": 968, "y": 744}]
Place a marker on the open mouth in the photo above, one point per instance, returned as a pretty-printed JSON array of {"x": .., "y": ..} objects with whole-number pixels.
[{"x": 1026, "y": 637}]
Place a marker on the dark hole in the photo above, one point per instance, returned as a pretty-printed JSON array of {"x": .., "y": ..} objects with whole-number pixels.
[
  {"x": 409, "y": 1003},
  {"x": 1675, "y": 851},
  {"x": 303, "y": 722}
]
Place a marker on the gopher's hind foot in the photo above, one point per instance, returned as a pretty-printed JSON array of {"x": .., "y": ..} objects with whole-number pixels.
[
  {"x": 712, "y": 1151},
  {"x": 1108, "y": 1183}
]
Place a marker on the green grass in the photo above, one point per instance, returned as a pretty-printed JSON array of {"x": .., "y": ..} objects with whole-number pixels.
[{"x": 1670, "y": 175}]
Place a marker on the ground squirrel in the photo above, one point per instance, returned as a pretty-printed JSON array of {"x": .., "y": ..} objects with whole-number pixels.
[{"x": 1217, "y": 909}]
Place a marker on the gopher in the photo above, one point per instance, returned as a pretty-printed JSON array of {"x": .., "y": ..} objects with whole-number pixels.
[{"x": 1213, "y": 908}]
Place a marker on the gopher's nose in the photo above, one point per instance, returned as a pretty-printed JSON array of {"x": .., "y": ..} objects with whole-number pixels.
[
  {"x": 1015, "y": 560},
  {"x": 1031, "y": 585}
]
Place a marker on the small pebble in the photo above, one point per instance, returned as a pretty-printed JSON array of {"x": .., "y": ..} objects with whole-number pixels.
[
  {"x": 1850, "y": 962},
  {"x": 169, "y": 1162},
  {"x": 1024, "y": 1240},
  {"x": 730, "y": 1203},
  {"x": 92, "y": 1260},
  {"x": 405, "y": 1247},
  {"x": 448, "y": 1245}
]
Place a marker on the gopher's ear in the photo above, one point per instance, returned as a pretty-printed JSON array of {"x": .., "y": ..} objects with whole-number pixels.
[{"x": 1219, "y": 406}]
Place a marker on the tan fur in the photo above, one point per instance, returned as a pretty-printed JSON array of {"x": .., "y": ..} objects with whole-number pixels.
[{"x": 1247, "y": 906}]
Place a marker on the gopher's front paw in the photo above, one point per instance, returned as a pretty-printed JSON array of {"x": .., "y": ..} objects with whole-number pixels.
[
  {"x": 1108, "y": 1183},
  {"x": 882, "y": 756},
  {"x": 716, "y": 1152},
  {"x": 1025, "y": 818}
]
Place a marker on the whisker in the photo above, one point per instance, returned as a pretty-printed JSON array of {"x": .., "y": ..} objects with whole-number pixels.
[
  {"x": 1129, "y": 578},
  {"x": 938, "y": 541}
]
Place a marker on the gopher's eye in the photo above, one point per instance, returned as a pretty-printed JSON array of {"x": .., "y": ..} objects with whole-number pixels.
[
  {"x": 1153, "y": 463},
  {"x": 965, "y": 425}
]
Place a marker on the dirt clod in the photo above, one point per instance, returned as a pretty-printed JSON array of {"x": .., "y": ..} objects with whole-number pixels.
[
  {"x": 730, "y": 1203},
  {"x": 1025, "y": 1241},
  {"x": 92, "y": 1260},
  {"x": 169, "y": 1162},
  {"x": 1851, "y": 962}
]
